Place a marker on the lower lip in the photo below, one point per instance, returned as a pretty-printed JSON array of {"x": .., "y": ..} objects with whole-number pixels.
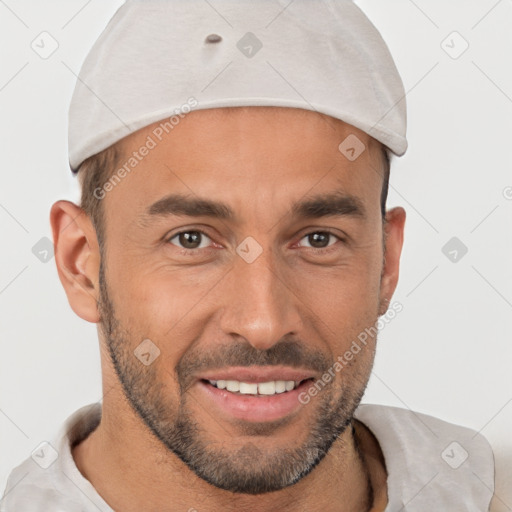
[{"x": 252, "y": 408}]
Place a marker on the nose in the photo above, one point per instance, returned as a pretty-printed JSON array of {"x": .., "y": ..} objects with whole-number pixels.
[{"x": 259, "y": 304}]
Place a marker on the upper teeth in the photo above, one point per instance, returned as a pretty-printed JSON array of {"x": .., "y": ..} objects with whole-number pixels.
[{"x": 262, "y": 388}]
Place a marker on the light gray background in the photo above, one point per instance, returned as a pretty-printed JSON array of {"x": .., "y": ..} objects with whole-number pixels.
[{"x": 447, "y": 354}]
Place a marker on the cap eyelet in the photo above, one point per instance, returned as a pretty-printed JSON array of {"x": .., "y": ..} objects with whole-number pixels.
[{"x": 213, "y": 38}]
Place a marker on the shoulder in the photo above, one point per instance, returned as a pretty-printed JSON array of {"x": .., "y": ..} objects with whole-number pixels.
[
  {"x": 430, "y": 461},
  {"x": 49, "y": 479},
  {"x": 32, "y": 489}
]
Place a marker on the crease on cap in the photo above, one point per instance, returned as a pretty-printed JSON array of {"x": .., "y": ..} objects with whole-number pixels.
[{"x": 152, "y": 59}]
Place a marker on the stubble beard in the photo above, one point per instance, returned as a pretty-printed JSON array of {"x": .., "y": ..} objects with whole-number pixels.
[{"x": 241, "y": 467}]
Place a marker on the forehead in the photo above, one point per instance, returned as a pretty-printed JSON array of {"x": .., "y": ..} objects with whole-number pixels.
[
  {"x": 255, "y": 119},
  {"x": 248, "y": 154}
]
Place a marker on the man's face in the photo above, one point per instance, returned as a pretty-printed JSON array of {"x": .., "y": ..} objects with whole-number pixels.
[{"x": 263, "y": 289}]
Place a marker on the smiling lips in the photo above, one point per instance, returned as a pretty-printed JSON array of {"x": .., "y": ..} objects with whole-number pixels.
[
  {"x": 263, "y": 388},
  {"x": 254, "y": 394},
  {"x": 257, "y": 380}
]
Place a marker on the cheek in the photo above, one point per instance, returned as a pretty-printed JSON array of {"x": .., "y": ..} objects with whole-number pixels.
[
  {"x": 168, "y": 306},
  {"x": 342, "y": 305},
  {"x": 347, "y": 293}
]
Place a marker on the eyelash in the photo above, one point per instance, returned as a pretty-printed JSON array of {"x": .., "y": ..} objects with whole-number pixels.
[{"x": 187, "y": 252}]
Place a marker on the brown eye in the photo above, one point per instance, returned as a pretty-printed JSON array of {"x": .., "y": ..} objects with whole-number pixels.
[
  {"x": 320, "y": 239},
  {"x": 190, "y": 240}
]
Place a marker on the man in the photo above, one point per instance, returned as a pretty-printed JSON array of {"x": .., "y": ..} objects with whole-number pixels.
[{"x": 233, "y": 246}]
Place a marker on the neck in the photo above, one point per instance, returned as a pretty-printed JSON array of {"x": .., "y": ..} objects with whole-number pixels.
[{"x": 122, "y": 460}]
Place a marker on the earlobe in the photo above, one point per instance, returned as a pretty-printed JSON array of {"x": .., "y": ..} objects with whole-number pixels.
[
  {"x": 394, "y": 229},
  {"x": 77, "y": 257}
]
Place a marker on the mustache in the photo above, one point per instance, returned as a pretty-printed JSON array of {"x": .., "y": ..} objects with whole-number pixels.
[{"x": 286, "y": 353}]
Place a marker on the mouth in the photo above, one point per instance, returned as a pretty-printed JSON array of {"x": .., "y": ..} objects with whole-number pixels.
[
  {"x": 269, "y": 388},
  {"x": 254, "y": 394}
]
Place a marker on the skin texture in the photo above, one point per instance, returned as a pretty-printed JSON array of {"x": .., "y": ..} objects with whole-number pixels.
[{"x": 296, "y": 305}]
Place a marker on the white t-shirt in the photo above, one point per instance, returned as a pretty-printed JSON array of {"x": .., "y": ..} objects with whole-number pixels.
[{"x": 432, "y": 465}]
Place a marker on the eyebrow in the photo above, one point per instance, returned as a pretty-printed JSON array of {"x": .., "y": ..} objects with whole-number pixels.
[
  {"x": 329, "y": 205},
  {"x": 325, "y": 205}
]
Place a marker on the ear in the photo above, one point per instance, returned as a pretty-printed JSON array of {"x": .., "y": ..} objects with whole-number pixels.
[
  {"x": 393, "y": 241},
  {"x": 77, "y": 257}
]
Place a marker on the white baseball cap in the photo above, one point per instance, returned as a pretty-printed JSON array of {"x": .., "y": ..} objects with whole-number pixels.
[{"x": 157, "y": 58}]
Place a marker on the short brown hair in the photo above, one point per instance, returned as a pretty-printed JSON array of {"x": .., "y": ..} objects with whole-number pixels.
[{"x": 93, "y": 173}]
